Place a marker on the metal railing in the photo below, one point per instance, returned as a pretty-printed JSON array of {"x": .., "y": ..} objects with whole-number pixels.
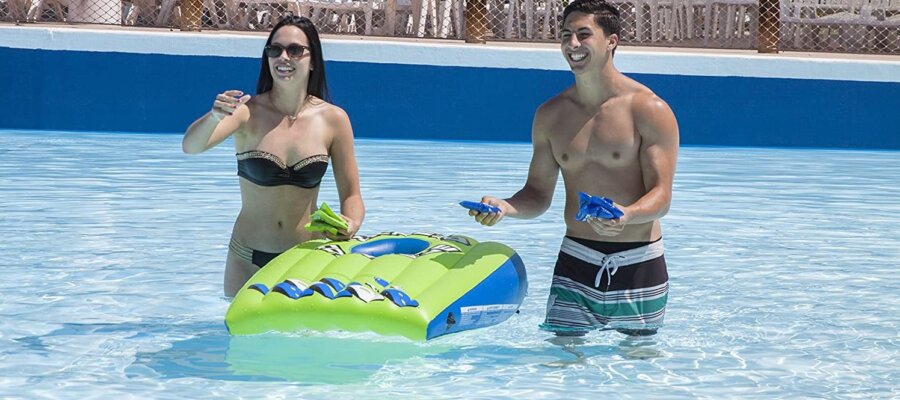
[{"x": 847, "y": 26}]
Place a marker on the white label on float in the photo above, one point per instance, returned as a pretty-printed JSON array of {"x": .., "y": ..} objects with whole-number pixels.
[{"x": 488, "y": 314}]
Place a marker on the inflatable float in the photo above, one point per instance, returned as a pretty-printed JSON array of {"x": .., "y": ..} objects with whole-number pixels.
[{"x": 420, "y": 286}]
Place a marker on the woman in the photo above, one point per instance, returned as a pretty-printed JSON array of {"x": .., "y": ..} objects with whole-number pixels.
[{"x": 284, "y": 138}]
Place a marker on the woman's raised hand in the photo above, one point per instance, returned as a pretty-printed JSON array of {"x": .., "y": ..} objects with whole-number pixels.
[{"x": 227, "y": 102}]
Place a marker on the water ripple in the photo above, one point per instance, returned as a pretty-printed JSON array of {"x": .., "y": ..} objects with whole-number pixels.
[{"x": 782, "y": 266}]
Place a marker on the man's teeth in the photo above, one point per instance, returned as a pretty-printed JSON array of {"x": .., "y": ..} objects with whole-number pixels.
[{"x": 577, "y": 57}]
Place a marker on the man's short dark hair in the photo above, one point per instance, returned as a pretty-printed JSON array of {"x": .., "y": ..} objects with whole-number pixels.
[{"x": 605, "y": 14}]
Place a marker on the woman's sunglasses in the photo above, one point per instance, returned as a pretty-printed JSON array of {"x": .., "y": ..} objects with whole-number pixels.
[{"x": 294, "y": 51}]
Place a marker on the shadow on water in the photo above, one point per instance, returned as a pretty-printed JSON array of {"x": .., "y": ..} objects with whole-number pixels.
[
  {"x": 577, "y": 350},
  {"x": 557, "y": 353},
  {"x": 131, "y": 330},
  {"x": 210, "y": 352},
  {"x": 278, "y": 357}
]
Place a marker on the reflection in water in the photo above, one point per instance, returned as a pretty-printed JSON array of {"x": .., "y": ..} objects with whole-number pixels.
[
  {"x": 130, "y": 244},
  {"x": 279, "y": 357},
  {"x": 569, "y": 345},
  {"x": 640, "y": 348},
  {"x": 211, "y": 353},
  {"x": 581, "y": 350},
  {"x": 316, "y": 359}
]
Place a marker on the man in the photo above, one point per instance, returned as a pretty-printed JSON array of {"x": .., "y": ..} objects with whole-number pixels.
[{"x": 610, "y": 136}]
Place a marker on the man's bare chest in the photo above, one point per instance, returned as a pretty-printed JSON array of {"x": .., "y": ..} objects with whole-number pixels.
[{"x": 607, "y": 141}]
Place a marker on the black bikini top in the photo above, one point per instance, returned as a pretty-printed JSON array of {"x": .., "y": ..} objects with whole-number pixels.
[{"x": 266, "y": 169}]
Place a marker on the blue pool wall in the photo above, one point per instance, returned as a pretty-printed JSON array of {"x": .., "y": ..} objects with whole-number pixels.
[{"x": 79, "y": 79}]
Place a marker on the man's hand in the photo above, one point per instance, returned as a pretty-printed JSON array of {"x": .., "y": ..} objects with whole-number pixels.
[
  {"x": 609, "y": 227},
  {"x": 490, "y": 219}
]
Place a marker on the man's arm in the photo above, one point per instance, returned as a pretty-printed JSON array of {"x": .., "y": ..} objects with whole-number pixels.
[
  {"x": 536, "y": 195},
  {"x": 658, "y": 128}
]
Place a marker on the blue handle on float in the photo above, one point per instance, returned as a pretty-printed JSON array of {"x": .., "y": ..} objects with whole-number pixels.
[
  {"x": 260, "y": 287},
  {"x": 324, "y": 289},
  {"x": 399, "y": 298},
  {"x": 334, "y": 283},
  {"x": 290, "y": 290}
]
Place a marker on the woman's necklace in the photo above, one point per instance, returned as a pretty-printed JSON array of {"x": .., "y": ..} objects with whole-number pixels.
[{"x": 293, "y": 118}]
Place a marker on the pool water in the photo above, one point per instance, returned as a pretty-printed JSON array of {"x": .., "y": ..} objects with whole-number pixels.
[{"x": 783, "y": 267}]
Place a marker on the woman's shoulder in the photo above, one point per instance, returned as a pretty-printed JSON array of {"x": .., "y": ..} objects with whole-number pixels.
[
  {"x": 260, "y": 102},
  {"x": 330, "y": 112}
]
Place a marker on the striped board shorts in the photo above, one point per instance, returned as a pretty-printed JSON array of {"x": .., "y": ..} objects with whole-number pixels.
[{"x": 608, "y": 285}]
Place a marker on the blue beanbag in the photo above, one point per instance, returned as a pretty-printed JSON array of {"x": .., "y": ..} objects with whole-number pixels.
[
  {"x": 479, "y": 207},
  {"x": 597, "y": 207}
]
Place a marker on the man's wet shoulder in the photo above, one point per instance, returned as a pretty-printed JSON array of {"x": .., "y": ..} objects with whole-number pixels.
[{"x": 559, "y": 103}]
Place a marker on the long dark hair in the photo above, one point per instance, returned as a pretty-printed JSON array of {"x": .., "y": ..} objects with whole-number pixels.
[{"x": 317, "y": 85}]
